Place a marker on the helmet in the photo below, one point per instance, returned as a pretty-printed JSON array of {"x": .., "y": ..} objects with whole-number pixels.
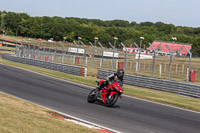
[{"x": 120, "y": 73}]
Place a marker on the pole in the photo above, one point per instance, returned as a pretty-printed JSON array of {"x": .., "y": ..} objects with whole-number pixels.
[
  {"x": 84, "y": 53},
  {"x": 76, "y": 52},
  {"x": 39, "y": 50},
  {"x": 125, "y": 56},
  {"x": 115, "y": 38},
  {"x": 154, "y": 57},
  {"x": 113, "y": 55},
  {"x": 44, "y": 50},
  {"x": 170, "y": 64},
  {"x": 29, "y": 47},
  {"x": 22, "y": 50},
  {"x": 189, "y": 65},
  {"x": 35, "y": 50},
  {"x": 16, "y": 49},
  {"x": 63, "y": 51},
  {"x": 102, "y": 54},
  {"x": 55, "y": 51},
  {"x": 68, "y": 52},
  {"x": 92, "y": 53},
  {"x": 113, "y": 60},
  {"x": 139, "y": 58}
]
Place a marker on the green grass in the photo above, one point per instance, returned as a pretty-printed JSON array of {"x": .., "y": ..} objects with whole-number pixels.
[
  {"x": 10, "y": 48},
  {"x": 8, "y": 52},
  {"x": 18, "y": 116},
  {"x": 164, "y": 97},
  {"x": 148, "y": 94}
]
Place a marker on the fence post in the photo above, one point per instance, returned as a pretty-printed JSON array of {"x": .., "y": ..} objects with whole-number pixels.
[
  {"x": 137, "y": 63},
  {"x": 136, "y": 67},
  {"x": 22, "y": 50},
  {"x": 188, "y": 75},
  {"x": 125, "y": 56},
  {"x": 182, "y": 68},
  {"x": 189, "y": 65},
  {"x": 116, "y": 64},
  {"x": 92, "y": 53},
  {"x": 38, "y": 53},
  {"x": 84, "y": 53},
  {"x": 26, "y": 50},
  {"x": 29, "y": 48},
  {"x": 35, "y": 52},
  {"x": 113, "y": 55},
  {"x": 160, "y": 69},
  {"x": 68, "y": 51},
  {"x": 102, "y": 54},
  {"x": 17, "y": 50},
  {"x": 48, "y": 53},
  {"x": 63, "y": 52},
  {"x": 55, "y": 51},
  {"x": 74, "y": 58},
  {"x": 76, "y": 50},
  {"x": 44, "y": 50},
  {"x": 154, "y": 57},
  {"x": 170, "y": 64}
]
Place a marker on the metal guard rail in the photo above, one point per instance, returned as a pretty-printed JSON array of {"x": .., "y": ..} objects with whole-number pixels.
[
  {"x": 75, "y": 70},
  {"x": 157, "y": 84}
]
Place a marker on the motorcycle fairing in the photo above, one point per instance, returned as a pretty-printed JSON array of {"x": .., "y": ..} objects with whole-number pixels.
[{"x": 104, "y": 93}]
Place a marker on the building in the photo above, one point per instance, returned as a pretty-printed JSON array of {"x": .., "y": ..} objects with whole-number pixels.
[{"x": 161, "y": 48}]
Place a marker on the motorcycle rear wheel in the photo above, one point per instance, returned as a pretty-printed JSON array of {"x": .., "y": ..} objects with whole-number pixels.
[
  {"x": 111, "y": 101},
  {"x": 92, "y": 96}
]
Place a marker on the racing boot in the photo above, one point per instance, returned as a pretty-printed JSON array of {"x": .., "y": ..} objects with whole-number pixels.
[{"x": 98, "y": 88}]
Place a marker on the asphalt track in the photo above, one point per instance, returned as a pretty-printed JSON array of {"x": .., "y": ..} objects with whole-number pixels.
[{"x": 128, "y": 115}]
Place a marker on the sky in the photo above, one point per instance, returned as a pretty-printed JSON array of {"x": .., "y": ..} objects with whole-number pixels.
[{"x": 177, "y": 12}]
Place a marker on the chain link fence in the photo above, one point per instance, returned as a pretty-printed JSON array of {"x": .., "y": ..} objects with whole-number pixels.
[{"x": 94, "y": 55}]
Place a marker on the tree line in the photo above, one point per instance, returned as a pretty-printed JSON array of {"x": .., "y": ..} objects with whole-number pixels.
[{"x": 21, "y": 24}]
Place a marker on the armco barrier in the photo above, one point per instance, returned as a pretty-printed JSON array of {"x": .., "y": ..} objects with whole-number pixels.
[
  {"x": 75, "y": 70},
  {"x": 157, "y": 84}
]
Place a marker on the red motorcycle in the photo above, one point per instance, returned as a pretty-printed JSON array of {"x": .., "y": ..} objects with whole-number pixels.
[{"x": 108, "y": 94}]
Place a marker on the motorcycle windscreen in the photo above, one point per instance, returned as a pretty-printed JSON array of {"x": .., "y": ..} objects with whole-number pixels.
[{"x": 120, "y": 83}]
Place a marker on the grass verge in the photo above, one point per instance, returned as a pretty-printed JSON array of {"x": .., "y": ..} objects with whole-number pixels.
[
  {"x": 148, "y": 94},
  {"x": 10, "y": 48},
  {"x": 18, "y": 116}
]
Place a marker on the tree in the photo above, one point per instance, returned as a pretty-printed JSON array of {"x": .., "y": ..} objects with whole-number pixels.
[
  {"x": 146, "y": 24},
  {"x": 21, "y": 24}
]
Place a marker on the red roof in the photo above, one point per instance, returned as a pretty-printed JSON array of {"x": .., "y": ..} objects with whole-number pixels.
[{"x": 172, "y": 46}]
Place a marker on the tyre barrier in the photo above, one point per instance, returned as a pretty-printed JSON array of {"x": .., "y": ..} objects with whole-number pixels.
[{"x": 75, "y": 70}]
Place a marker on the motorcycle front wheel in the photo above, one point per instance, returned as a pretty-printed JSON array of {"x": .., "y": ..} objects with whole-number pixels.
[
  {"x": 92, "y": 96},
  {"x": 111, "y": 100}
]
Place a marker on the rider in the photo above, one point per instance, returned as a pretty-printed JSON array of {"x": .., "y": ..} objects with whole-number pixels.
[{"x": 117, "y": 76}]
